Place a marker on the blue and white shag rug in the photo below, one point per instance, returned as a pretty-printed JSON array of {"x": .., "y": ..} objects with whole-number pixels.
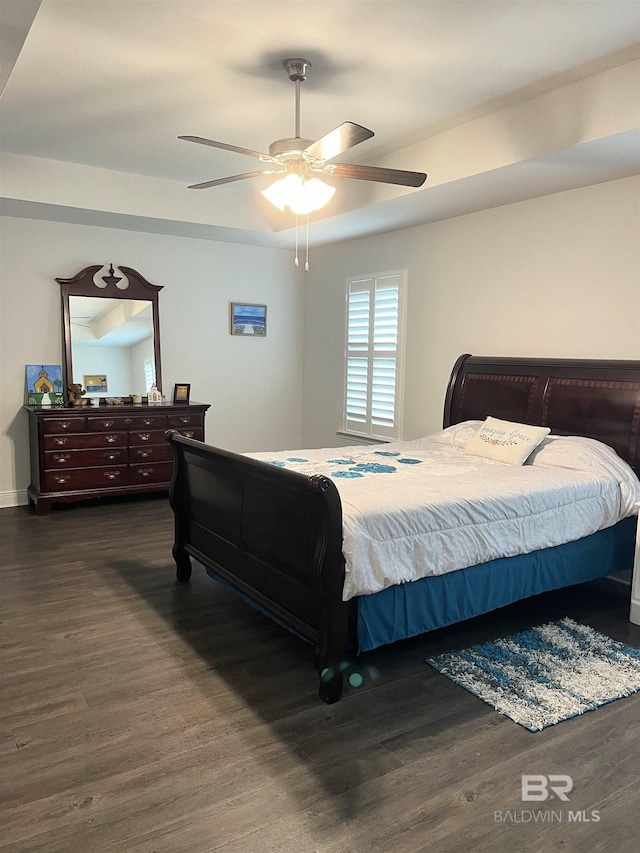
[{"x": 547, "y": 674}]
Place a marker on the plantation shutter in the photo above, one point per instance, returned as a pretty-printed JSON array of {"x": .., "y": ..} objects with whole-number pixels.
[
  {"x": 149, "y": 373},
  {"x": 373, "y": 315}
]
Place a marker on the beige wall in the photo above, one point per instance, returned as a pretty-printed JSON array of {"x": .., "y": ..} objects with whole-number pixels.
[
  {"x": 553, "y": 276},
  {"x": 253, "y": 385}
]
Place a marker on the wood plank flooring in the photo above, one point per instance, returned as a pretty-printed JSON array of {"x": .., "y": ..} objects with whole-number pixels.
[{"x": 139, "y": 715}]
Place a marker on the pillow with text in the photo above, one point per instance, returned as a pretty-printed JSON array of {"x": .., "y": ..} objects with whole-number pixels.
[{"x": 506, "y": 441}]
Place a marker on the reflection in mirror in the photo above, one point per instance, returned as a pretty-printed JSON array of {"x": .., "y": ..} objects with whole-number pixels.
[{"x": 112, "y": 345}]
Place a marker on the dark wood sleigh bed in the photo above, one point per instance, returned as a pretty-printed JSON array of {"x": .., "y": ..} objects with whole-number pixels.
[{"x": 275, "y": 535}]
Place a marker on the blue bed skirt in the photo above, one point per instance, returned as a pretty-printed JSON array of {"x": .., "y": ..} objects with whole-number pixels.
[{"x": 410, "y": 609}]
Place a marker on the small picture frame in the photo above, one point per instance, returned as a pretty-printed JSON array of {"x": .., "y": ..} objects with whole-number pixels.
[
  {"x": 44, "y": 385},
  {"x": 248, "y": 319},
  {"x": 96, "y": 384},
  {"x": 181, "y": 393}
]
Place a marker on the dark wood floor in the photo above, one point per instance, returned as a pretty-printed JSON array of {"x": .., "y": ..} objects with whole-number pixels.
[{"x": 139, "y": 715}]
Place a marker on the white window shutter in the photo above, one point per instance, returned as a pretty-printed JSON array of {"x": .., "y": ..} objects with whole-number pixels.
[
  {"x": 372, "y": 373},
  {"x": 357, "y": 390},
  {"x": 149, "y": 373}
]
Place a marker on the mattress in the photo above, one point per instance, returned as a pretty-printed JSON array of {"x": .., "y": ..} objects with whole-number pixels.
[{"x": 424, "y": 508}]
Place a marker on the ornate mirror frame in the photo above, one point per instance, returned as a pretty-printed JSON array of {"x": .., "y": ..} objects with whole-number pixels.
[{"x": 83, "y": 284}]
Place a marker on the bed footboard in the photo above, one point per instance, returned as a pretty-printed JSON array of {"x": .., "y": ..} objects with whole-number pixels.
[{"x": 273, "y": 535}]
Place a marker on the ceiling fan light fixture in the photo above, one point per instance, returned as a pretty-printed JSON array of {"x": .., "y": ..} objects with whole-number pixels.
[
  {"x": 280, "y": 192},
  {"x": 298, "y": 194},
  {"x": 299, "y": 157}
]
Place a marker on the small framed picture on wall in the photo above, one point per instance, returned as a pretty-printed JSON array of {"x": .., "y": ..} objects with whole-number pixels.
[
  {"x": 181, "y": 393},
  {"x": 248, "y": 319},
  {"x": 96, "y": 383}
]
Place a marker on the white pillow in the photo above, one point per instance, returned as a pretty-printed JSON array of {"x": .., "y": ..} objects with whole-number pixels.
[
  {"x": 506, "y": 441},
  {"x": 457, "y": 435}
]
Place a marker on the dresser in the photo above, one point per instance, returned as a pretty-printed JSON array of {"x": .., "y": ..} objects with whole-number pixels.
[{"x": 99, "y": 451}]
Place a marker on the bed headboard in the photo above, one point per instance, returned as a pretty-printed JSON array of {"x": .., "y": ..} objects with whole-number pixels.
[{"x": 594, "y": 398}]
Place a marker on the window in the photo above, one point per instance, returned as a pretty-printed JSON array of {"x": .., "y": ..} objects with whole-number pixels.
[
  {"x": 373, "y": 364},
  {"x": 149, "y": 373}
]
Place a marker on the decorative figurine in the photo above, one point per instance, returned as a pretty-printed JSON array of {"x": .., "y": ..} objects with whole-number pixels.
[{"x": 153, "y": 395}]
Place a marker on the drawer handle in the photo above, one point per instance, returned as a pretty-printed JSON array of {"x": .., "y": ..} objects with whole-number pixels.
[
  {"x": 188, "y": 433},
  {"x": 128, "y": 420},
  {"x": 145, "y": 452},
  {"x": 111, "y": 438},
  {"x": 111, "y": 475},
  {"x": 61, "y": 441},
  {"x": 62, "y": 457},
  {"x": 144, "y": 436},
  {"x": 111, "y": 454},
  {"x": 148, "y": 421},
  {"x": 62, "y": 478},
  {"x": 185, "y": 420},
  {"x": 107, "y": 423},
  {"x": 64, "y": 424},
  {"x": 145, "y": 471}
]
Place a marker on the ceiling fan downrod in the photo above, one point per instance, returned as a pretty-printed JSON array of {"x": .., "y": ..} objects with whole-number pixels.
[{"x": 297, "y": 71}]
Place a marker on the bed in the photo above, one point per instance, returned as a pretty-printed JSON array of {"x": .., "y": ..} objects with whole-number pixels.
[{"x": 275, "y": 533}]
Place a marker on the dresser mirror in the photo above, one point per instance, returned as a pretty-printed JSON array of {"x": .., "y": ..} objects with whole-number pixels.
[{"x": 111, "y": 332}]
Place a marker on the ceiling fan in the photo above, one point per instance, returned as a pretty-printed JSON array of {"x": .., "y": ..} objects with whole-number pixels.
[{"x": 300, "y": 160}]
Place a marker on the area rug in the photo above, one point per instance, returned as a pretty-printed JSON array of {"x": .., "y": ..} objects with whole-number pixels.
[{"x": 547, "y": 674}]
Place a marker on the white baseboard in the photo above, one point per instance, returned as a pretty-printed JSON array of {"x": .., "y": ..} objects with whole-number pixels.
[
  {"x": 14, "y": 498},
  {"x": 634, "y": 613}
]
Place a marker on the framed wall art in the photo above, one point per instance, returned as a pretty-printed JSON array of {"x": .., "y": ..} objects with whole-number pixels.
[
  {"x": 96, "y": 383},
  {"x": 44, "y": 384},
  {"x": 248, "y": 319}
]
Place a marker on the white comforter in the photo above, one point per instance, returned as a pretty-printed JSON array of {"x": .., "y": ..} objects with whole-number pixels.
[{"x": 419, "y": 508}]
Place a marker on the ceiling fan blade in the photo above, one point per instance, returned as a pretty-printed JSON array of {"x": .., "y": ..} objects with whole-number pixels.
[
  {"x": 202, "y": 141},
  {"x": 338, "y": 141},
  {"x": 206, "y": 184},
  {"x": 375, "y": 173}
]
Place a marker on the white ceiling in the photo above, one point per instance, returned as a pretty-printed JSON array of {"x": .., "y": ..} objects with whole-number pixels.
[
  {"x": 112, "y": 84},
  {"x": 97, "y": 321}
]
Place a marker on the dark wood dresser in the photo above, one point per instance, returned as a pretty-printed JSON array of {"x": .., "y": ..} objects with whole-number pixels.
[{"x": 96, "y": 451}]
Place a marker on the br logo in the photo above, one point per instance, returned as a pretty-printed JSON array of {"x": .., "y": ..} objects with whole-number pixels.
[{"x": 538, "y": 787}]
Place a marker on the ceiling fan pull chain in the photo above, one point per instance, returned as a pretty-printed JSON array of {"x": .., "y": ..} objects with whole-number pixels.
[
  {"x": 306, "y": 257},
  {"x": 296, "y": 258}
]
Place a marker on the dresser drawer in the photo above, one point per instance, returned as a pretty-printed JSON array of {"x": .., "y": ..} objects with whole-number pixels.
[
  {"x": 151, "y": 421},
  {"x": 139, "y": 421},
  {"x": 186, "y": 420},
  {"x": 107, "y": 422},
  {"x": 197, "y": 433},
  {"x": 151, "y": 472},
  {"x": 54, "y": 459},
  {"x": 86, "y": 478},
  {"x": 150, "y": 453},
  {"x": 62, "y": 424},
  {"x": 146, "y": 436},
  {"x": 86, "y": 440}
]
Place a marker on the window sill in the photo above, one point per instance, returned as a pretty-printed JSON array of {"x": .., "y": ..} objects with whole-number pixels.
[{"x": 363, "y": 438}]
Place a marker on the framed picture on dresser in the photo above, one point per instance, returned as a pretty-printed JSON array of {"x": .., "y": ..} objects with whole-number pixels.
[
  {"x": 181, "y": 393},
  {"x": 44, "y": 384}
]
